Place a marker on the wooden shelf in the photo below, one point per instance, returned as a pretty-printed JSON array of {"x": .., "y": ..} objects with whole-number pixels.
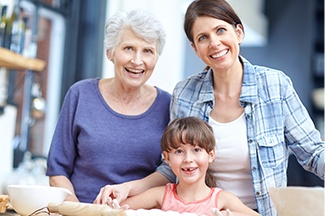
[{"x": 14, "y": 61}]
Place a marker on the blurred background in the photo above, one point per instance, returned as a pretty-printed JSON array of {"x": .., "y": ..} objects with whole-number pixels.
[{"x": 67, "y": 37}]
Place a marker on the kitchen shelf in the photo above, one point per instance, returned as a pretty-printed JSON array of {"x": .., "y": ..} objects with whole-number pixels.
[{"x": 14, "y": 61}]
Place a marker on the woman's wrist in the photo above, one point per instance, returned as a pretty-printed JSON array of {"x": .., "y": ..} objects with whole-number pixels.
[{"x": 133, "y": 187}]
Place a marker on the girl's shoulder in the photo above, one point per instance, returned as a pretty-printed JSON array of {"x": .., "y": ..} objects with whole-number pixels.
[
  {"x": 226, "y": 197},
  {"x": 225, "y": 193}
]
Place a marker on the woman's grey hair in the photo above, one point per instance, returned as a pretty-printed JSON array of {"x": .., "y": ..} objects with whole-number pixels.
[{"x": 142, "y": 23}]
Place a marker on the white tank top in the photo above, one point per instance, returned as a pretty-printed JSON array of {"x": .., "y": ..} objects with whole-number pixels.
[{"x": 232, "y": 164}]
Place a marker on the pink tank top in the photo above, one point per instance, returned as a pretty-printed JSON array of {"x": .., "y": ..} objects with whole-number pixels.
[{"x": 171, "y": 202}]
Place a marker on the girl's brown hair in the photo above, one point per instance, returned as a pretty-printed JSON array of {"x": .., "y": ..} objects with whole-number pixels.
[
  {"x": 190, "y": 130},
  {"x": 219, "y": 9}
]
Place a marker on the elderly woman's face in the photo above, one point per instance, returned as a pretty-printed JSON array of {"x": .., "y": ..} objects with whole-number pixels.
[{"x": 134, "y": 59}]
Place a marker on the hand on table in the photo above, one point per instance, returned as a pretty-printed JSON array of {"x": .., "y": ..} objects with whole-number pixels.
[
  {"x": 118, "y": 192},
  {"x": 113, "y": 203}
]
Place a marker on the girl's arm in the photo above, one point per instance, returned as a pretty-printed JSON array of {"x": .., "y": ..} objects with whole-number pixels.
[
  {"x": 229, "y": 201},
  {"x": 148, "y": 199}
]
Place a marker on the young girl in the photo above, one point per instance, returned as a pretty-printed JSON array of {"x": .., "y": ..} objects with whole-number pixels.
[{"x": 188, "y": 145}]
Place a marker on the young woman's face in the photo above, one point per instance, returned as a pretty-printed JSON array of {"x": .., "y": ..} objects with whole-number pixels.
[
  {"x": 134, "y": 59},
  {"x": 189, "y": 163},
  {"x": 216, "y": 42}
]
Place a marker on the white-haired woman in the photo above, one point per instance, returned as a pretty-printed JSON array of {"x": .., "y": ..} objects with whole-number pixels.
[{"x": 109, "y": 129}]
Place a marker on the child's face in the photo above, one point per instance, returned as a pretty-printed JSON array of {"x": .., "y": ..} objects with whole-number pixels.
[{"x": 189, "y": 163}]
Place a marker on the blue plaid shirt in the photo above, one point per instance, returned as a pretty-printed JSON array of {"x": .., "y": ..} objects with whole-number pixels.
[{"x": 276, "y": 120}]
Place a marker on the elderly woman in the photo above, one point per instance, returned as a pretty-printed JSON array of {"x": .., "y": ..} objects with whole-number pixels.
[{"x": 109, "y": 129}]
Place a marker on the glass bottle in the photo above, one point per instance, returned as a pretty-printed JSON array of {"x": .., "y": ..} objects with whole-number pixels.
[
  {"x": 17, "y": 31},
  {"x": 3, "y": 25},
  {"x": 10, "y": 21}
]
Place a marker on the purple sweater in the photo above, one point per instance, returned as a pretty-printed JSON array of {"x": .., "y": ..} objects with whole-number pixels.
[{"x": 94, "y": 146}]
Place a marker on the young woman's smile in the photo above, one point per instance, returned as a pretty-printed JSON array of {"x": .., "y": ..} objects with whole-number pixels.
[{"x": 216, "y": 42}]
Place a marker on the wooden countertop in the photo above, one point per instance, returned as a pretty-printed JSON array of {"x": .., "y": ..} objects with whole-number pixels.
[{"x": 12, "y": 60}]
